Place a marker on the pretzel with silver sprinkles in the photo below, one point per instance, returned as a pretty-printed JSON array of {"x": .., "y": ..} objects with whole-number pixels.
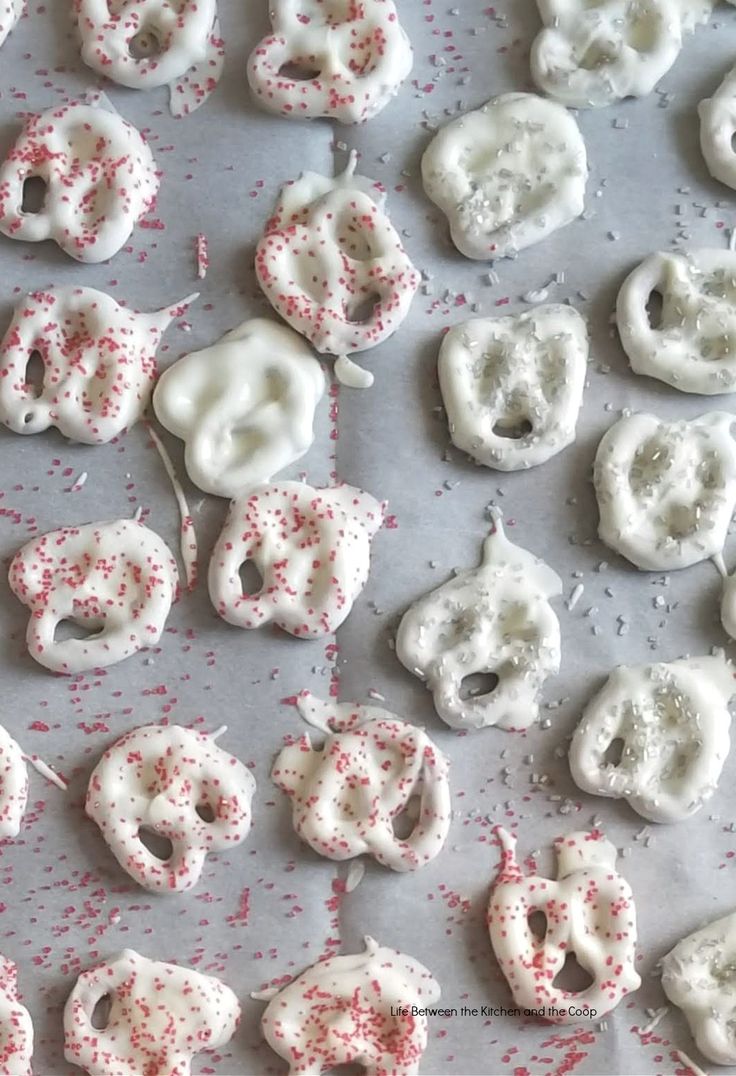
[
  {"x": 16, "y": 1026},
  {"x": 333, "y": 266},
  {"x": 495, "y": 620},
  {"x": 717, "y": 128},
  {"x": 587, "y": 913},
  {"x": 672, "y": 724},
  {"x": 512, "y": 387},
  {"x": 693, "y": 344},
  {"x": 99, "y": 363},
  {"x": 350, "y": 1010},
  {"x": 244, "y": 406},
  {"x": 592, "y": 55},
  {"x": 343, "y": 61},
  {"x": 99, "y": 174},
  {"x": 666, "y": 490},
  {"x": 10, "y": 12},
  {"x": 115, "y": 580},
  {"x": 160, "y": 1017},
  {"x": 507, "y": 175},
  {"x": 371, "y": 769},
  {"x": 143, "y": 44},
  {"x": 697, "y": 976}
]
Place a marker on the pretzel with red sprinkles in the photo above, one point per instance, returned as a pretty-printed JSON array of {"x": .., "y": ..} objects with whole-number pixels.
[
  {"x": 588, "y": 913},
  {"x": 13, "y": 786},
  {"x": 340, "y": 59},
  {"x": 115, "y": 580},
  {"x": 351, "y": 1010},
  {"x": 160, "y": 1016},
  {"x": 177, "y": 783},
  {"x": 10, "y": 12},
  {"x": 16, "y": 1027},
  {"x": 311, "y": 548},
  {"x": 99, "y": 363},
  {"x": 99, "y": 174}
]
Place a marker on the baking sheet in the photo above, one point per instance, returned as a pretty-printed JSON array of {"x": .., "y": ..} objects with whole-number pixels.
[{"x": 272, "y": 906}]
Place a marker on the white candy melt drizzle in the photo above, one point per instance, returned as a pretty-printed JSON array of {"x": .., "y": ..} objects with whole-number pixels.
[
  {"x": 187, "y": 534},
  {"x": 346, "y": 794},
  {"x": 349, "y": 59},
  {"x": 333, "y": 266},
  {"x": 100, "y": 180},
  {"x": 588, "y": 913},
  {"x": 161, "y": 1016},
  {"x": 10, "y": 12},
  {"x": 16, "y": 1027},
  {"x": 116, "y": 580},
  {"x": 717, "y": 128},
  {"x": 697, "y": 976},
  {"x": 512, "y": 387},
  {"x": 666, "y": 490},
  {"x": 244, "y": 407},
  {"x": 144, "y": 43},
  {"x": 178, "y": 784},
  {"x": 311, "y": 548},
  {"x": 493, "y": 620},
  {"x": 692, "y": 346},
  {"x": 508, "y": 175},
  {"x": 340, "y": 1011},
  {"x": 46, "y": 772},
  {"x": 590, "y": 55},
  {"x": 672, "y": 724},
  {"x": 99, "y": 363}
]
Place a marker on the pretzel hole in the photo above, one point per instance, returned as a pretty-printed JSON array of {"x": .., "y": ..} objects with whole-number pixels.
[
  {"x": 251, "y": 580},
  {"x": 355, "y": 240},
  {"x": 595, "y": 56},
  {"x": 572, "y": 977},
  {"x": 299, "y": 71},
  {"x": 158, "y": 845},
  {"x": 360, "y": 309},
  {"x": 478, "y": 684},
  {"x": 34, "y": 375},
  {"x": 514, "y": 431},
  {"x": 100, "y": 1017},
  {"x": 145, "y": 45},
  {"x": 75, "y": 629},
  {"x": 347, "y": 1068},
  {"x": 537, "y": 923},
  {"x": 403, "y": 823},
  {"x": 655, "y": 305},
  {"x": 34, "y": 195},
  {"x": 614, "y": 753},
  {"x": 205, "y": 811},
  {"x": 642, "y": 34}
]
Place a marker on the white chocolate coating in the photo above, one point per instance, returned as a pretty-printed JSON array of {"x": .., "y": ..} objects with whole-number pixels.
[
  {"x": 666, "y": 490},
  {"x": 507, "y": 175},
  {"x": 589, "y": 912},
  {"x": 117, "y": 580},
  {"x": 693, "y": 346},
  {"x": 338, "y": 1012},
  {"x": 330, "y": 255},
  {"x": 728, "y": 605},
  {"x": 13, "y": 787},
  {"x": 717, "y": 128},
  {"x": 99, "y": 363},
  {"x": 332, "y": 59},
  {"x": 161, "y": 1016},
  {"x": 179, "y": 784},
  {"x": 10, "y": 12},
  {"x": 244, "y": 406},
  {"x": 501, "y": 375},
  {"x": 494, "y": 619},
  {"x": 311, "y": 548},
  {"x": 16, "y": 1027},
  {"x": 591, "y": 55},
  {"x": 346, "y": 794},
  {"x": 672, "y": 723},
  {"x": 100, "y": 180}
]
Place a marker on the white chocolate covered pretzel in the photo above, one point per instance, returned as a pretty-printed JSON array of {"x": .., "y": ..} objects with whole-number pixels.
[
  {"x": 13, "y": 787},
  {"x": 100, "y": 180},
  {"x": 311, "y": 548},
  {"x": 99, "y": 363},
  {"x": 371, "y": 769},
  {"x": 10, "y": 12},
  {"x": 342, "y": 1011},
  {"x": 594, "y": 54},
  {"x": 717, "y": 128},
  {"x": 507, "y": 175},
  {"x": 671, "y": 723},
  {"x": 693, "y": 344},
  {"x": 666, "y": 490},
  {"x": 341, "y": 59},
  {"x": 588, "y": 913},
  {"x": 143, "y": 44},
  {"x": 331, "y": 263},
  {"x": 698, "y": 977},
  {"x": 16, "y": 1027},
  {"x": 244, "y": 406},
  {"x": 179, "y": 784},
  {"x": 115, "y": 580},
  {"x": 160, "y": 1017},
  {"x": 512, "y": 387},
  {"x": 494, "y": 620}
]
